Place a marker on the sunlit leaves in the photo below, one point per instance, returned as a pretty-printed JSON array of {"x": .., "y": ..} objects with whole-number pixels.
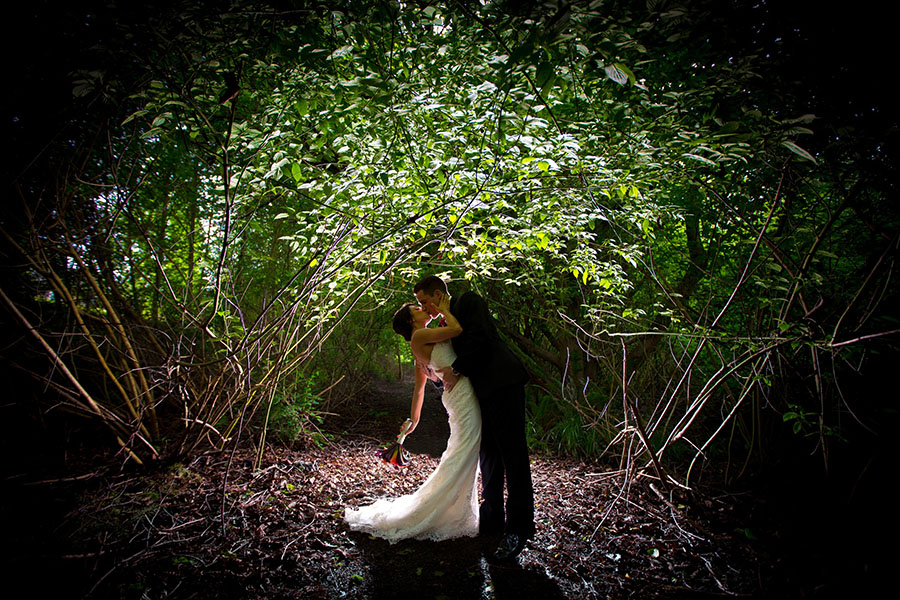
[{"x": 550, "y": 158}]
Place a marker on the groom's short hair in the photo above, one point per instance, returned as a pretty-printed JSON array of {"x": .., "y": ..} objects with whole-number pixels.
[{"x": 430, "y": 284}]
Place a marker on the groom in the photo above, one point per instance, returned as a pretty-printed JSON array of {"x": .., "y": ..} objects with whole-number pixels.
[{"x": 499, "y": 379}]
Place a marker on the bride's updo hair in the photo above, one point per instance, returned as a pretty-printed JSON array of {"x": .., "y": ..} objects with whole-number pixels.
[{"x": 403, "y": 321}]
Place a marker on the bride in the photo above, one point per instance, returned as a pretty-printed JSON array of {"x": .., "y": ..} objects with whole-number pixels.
[{"x": 446, "y": 505}]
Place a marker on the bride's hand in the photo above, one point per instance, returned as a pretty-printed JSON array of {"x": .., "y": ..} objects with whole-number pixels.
[
  {"x": 444, "y": 304},
  {"x": 449, "y": 378}
]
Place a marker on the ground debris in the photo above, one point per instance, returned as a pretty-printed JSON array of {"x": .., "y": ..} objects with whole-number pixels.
[
  {"x": 221, "y": 526},
  {"x": 277, "y": 532}
]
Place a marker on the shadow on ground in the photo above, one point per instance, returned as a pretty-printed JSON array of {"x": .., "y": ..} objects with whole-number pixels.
[{"x": 449, "y": 569}]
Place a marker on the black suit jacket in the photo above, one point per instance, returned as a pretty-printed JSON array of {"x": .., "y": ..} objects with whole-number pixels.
[{"x": 480, "y": 353}]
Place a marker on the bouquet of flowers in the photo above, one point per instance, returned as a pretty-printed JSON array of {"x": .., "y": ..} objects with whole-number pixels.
[{"x": 395, "y": 454}]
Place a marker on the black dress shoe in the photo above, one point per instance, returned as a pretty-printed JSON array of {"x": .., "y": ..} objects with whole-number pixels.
[{"x": 510, "y": 546}]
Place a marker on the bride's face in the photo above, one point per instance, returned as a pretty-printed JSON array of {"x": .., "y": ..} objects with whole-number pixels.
[{"x": 420, "y": 317}]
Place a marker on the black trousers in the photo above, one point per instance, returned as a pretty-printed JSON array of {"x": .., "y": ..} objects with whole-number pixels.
[{"x": 504, "y": 457}]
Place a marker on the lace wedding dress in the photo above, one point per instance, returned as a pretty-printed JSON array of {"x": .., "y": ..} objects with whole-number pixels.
[{"x": 446, "y": 505}]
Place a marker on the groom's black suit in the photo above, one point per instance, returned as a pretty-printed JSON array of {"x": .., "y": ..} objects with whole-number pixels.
[{"x": 499, "y": 379}]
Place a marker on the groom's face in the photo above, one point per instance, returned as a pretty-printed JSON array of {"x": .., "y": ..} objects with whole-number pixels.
[{"x": 429, "y": 302}]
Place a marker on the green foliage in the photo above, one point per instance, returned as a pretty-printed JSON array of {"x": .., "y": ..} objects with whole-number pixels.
[
  {"x": 807, "y": 423},
  {"x": 294, "y": 410},
  {"x": 567, "y": 428},
  {"x": 647, "y": 206}
]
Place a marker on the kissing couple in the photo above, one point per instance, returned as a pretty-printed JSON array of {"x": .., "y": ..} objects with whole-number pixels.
[{"x": 484, "y": 395}]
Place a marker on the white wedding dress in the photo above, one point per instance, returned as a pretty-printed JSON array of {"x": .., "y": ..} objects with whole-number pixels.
[{"x": 446, "y": 505}]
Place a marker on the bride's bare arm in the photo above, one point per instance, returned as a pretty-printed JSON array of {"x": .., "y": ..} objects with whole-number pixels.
[
  {"x": 415, "y": 409},
  {"x": 425, "y": 336}
]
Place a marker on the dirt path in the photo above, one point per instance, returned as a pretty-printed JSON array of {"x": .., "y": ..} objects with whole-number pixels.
[{"x": 277, "y": 531}]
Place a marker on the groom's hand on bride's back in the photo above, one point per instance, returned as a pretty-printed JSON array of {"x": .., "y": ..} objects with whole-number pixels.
[{"x": 450, "y": 378}]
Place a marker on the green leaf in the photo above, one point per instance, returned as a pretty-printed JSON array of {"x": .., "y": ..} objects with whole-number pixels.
[
  {"x": 627, "y": 72},
  {"x": 544, "y": 72},
  {"x": 151, "y": 133},
  {"x": 798, "y": 151},
  {"x": 702, "y": 159},
  {"x": 521, "y": 51},
  {"x": 616, "y": 73},
  {"x": 161, "y": 119},
  {"x": 134, "y": 115}
]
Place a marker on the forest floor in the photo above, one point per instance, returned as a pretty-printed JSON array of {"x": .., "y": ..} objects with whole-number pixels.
[{"x": 277, "y": 531}]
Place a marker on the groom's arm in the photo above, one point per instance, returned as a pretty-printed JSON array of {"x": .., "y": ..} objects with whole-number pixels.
[{"x": 473, "y": 347}]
